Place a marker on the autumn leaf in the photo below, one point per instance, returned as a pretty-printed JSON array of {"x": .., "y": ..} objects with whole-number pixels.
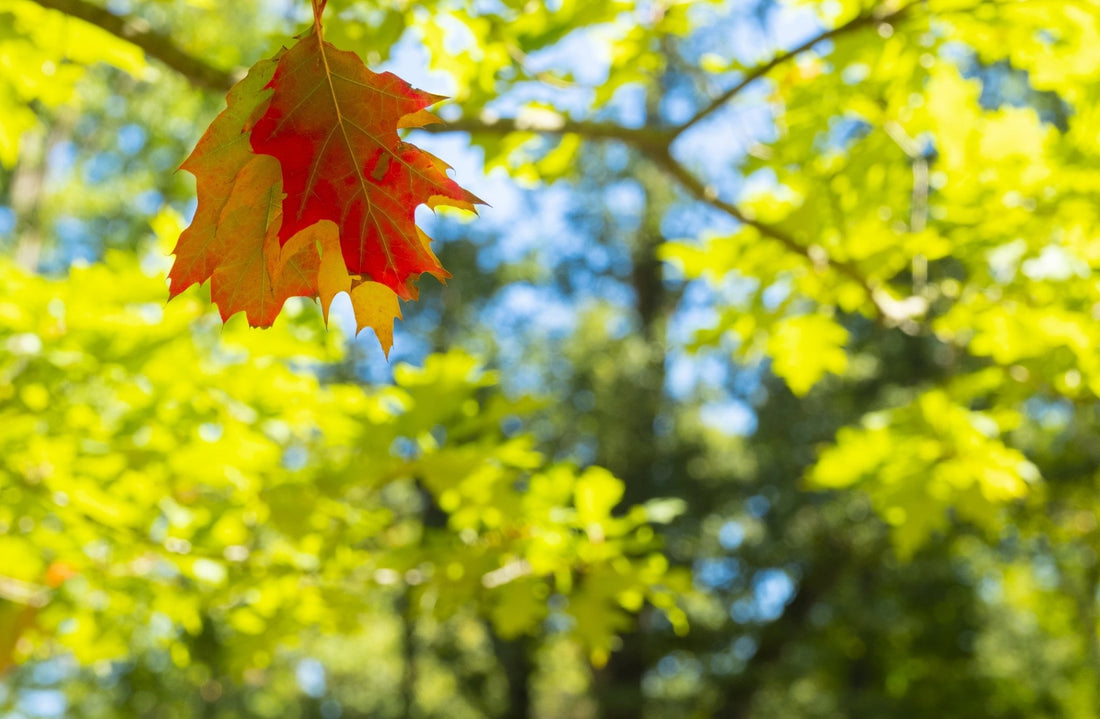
[
  {"x": 375, "y": 305},
  {"x": 332, "y": 124},
  {"x": 253, "y": 276},
  {"x": 216, "y": 161},
  {"x": 306, "y": 189}
]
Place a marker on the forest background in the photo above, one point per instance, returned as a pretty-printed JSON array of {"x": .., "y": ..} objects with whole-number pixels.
[{"x": 765, "y": 387}]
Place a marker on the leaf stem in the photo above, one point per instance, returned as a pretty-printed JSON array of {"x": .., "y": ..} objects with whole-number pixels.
[{"x": 318, "y": 8}]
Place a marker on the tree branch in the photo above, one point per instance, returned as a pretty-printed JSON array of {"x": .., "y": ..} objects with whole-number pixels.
[
  {"x": 751, "y": 76},
  {"x": 655, "y": 145},
  {"x": 156, "y": 45},
  {"x": 554, "y": 124}
]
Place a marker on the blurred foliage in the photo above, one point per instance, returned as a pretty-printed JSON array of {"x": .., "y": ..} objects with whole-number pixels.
[
  {"x": 790, "y": 312},
  {"x": 166, "y": 482}
]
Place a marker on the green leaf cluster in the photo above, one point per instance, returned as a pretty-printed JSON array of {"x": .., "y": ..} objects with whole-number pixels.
[{"x": 157, "y": 470}]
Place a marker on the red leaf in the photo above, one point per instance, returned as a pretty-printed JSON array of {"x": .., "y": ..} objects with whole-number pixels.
[
  {"x": 315, "y": 122},
  {"x": 332, "y": 124}
]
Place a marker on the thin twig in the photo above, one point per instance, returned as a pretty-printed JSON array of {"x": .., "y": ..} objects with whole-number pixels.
[
  {"x": 763, "y": 69},
  {"x": 554, "y": 124}
]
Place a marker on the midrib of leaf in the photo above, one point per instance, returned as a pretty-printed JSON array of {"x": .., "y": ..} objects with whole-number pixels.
[{"x": 369, "y": 210}]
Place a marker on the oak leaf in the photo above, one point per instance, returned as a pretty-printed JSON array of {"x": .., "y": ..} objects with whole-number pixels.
[
  {"x": 332, "y": 124},
  {"x": 305, "y": 189}
]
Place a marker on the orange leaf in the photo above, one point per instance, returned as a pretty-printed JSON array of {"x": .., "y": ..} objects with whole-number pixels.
[
  {"x": 216, "y": 161},
  {"x": 243, "y": 281}
]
